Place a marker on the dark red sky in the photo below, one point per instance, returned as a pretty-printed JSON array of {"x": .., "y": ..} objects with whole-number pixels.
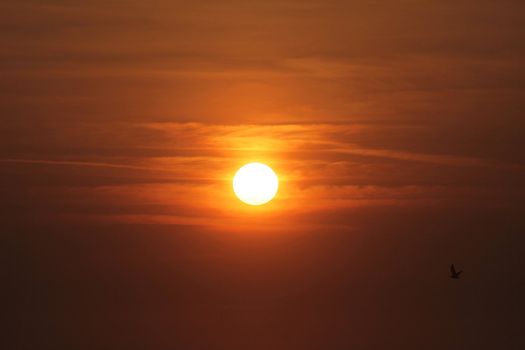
[{"x": 396, "y": 129}]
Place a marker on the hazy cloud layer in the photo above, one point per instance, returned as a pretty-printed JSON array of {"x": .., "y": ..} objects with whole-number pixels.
[
  {"x": 452, "y": 63},
  {"x": 181, "y": 173}
]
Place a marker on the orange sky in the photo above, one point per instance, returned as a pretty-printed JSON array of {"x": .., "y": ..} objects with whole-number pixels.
[
  {"x": 180, "y": 173},
  {"x": 396, "y": 127}
]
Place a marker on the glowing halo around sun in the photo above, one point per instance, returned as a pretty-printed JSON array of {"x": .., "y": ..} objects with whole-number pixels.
[{"x": 255, "y": 184}]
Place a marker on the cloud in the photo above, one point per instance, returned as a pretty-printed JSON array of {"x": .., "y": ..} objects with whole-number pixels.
[
  {"x": 269, "y": 62},
  {"x": 181, "y": 172},
  {"x": 339, "y": 97}
]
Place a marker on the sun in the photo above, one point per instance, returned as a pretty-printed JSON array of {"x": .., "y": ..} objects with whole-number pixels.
[{"x": 255, "y": 184}]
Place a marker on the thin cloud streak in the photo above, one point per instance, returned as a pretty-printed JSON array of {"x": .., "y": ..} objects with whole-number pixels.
[{"x": 73, "y": 163}]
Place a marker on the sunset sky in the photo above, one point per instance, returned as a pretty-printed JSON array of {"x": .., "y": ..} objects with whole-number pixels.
[{"x": 396, "y": 129}]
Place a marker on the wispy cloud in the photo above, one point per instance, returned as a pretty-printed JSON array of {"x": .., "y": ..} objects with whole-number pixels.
[
  {"x": 73, "y": 163},
  {"x": 181, "y": 172}
]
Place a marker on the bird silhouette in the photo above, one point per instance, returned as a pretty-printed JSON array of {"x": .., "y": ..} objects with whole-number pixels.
[{"x": 453, "y": 273}]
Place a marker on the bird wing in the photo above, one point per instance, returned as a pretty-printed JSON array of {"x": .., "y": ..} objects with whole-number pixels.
[{"x": 452, "y": 269}]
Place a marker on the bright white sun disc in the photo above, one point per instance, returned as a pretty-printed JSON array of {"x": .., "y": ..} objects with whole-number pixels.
[{"x": 255, "y": 184}]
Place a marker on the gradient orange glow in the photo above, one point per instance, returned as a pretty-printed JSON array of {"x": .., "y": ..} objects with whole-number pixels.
[{"x": 396, "y": 129}]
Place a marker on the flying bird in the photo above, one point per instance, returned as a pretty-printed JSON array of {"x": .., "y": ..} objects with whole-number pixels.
[{"x": 453, "y": 273}]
